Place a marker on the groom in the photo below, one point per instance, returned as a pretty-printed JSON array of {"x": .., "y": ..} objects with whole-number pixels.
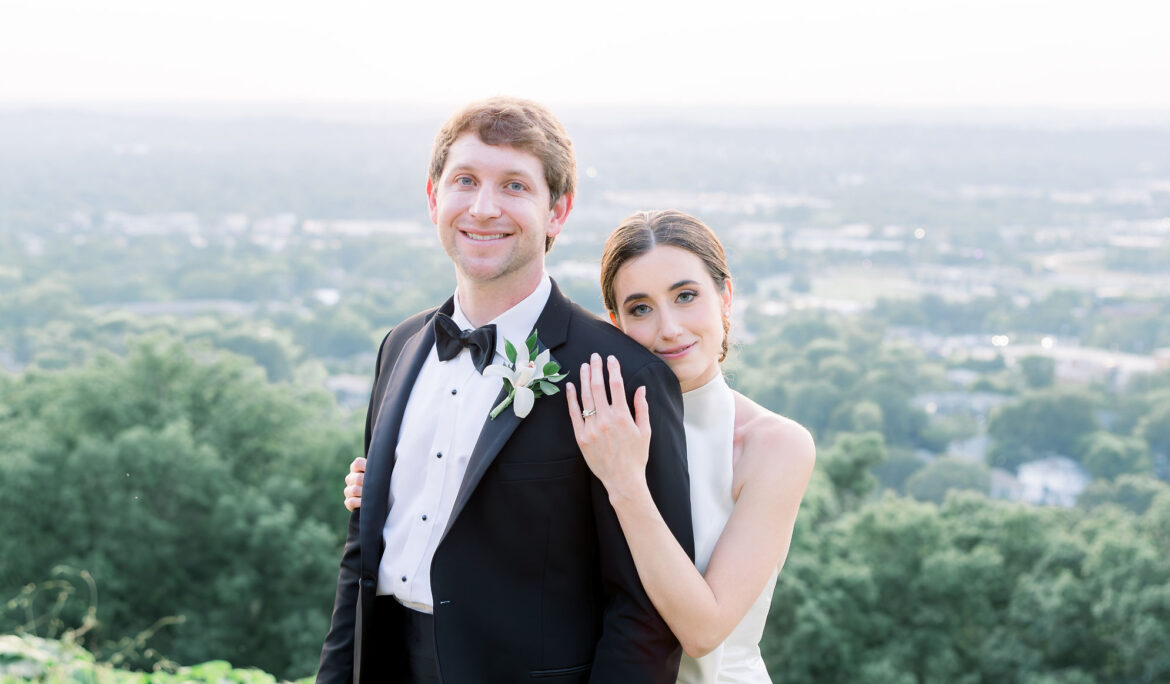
[{"x": 484, "y": 550}]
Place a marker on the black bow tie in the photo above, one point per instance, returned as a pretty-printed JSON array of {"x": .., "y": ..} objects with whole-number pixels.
[{"x": 450, "y": 340}]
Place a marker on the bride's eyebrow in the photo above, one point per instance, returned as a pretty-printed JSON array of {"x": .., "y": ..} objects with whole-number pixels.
[{"x": 642, "y": 295}]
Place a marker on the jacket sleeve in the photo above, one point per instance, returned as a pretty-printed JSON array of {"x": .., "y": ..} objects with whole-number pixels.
[
  {"x": 337, "y": 653},
  {"x": 636, "y": 645}
]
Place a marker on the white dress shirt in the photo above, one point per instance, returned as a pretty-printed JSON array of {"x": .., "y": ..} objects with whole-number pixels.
[{"x": 447, "y": 408}]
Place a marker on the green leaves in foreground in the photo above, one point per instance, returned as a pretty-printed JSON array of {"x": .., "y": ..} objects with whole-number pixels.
[{"x": 33, "y": 659}]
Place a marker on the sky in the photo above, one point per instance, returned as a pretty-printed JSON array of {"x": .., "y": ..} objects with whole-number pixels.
[{"x": 887, "y": 53}]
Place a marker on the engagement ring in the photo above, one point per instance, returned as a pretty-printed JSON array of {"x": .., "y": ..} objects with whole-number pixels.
[{"x": 588, "y": 412}]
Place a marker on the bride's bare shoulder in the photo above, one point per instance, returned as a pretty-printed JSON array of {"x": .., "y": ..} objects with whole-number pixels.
[{"x": 770, "y": 442}]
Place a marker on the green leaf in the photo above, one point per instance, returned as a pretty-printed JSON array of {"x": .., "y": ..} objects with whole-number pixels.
[
  {"x": 557, "y": 378},
  {"x": 547, "y": 388},
  {"x": 550, "y": 368},
  {"x": 510, "y": 352},
  {"x": 531, "y": 342}
]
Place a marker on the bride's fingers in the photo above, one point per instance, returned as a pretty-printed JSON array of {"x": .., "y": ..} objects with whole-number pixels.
[
  {"x": 353, "y": 504},
  {"x": 597, "y": 386},
  {"x": 358, "y": 465},
  {"x": 355, "y": 479},
  {"x": 617, "y": 388},
  {"x": 574, "y": 410},
  {"x": 642, "y": 411},
  {"x": 587, "y": 402}
]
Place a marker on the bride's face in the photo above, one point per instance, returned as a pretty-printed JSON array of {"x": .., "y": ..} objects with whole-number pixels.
[{"x": 668, "y": 302}]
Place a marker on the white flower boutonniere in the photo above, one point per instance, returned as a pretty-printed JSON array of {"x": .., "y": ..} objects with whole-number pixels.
[{"x": 526, "y": 377}]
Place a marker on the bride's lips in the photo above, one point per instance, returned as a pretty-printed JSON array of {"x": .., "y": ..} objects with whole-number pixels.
[{"x": 675, "y": 352}]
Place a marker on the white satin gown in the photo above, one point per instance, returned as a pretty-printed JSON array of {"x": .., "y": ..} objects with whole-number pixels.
[{"x": 709, "y": 422}]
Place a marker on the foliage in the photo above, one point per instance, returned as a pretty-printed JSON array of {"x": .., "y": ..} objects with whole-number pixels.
[
  {"x": 1039, "y": 371},
  {"x": 933, "y": 482},
  {"x": 1133, "y": 492},
  {"x": 187, "y": 486},
  {"x": 27, "y": 658},
  {"x": 1106, "y": 455},
  {"x": 849, "y": 461},
  {"x": 1045, "y": 421},
  {"x": 975, "y": 590}
]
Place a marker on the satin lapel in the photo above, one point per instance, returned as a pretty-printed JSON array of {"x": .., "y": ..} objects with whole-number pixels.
[
  {"x": 380, "y": 459},
  {"x": 552, "y": 329}
]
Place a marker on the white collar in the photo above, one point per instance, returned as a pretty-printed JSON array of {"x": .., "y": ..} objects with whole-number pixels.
[{"x": 515, "y": 324}]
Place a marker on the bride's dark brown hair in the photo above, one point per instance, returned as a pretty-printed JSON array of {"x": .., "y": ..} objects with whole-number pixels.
[{"x": 642, "y": 231}]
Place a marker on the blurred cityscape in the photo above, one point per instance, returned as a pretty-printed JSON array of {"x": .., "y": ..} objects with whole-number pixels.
[{"x": 1013, "y": 256}]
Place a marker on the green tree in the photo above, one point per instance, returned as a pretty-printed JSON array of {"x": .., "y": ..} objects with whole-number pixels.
[
  {"x": 1039, "y": 371},
  {"x": 1132, "y": 492},
  {"x": 1046, "y": 421},
  {"x": 1155, "y": 428},
  {"x": 848, "y": 462},
  {"x": 932, "y": 482},
  {"x": 1106, "y": 455},
  {"x": 186, "y": 485}
]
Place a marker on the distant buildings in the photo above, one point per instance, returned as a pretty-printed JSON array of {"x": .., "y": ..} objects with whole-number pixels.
[
  {"x": 1052, "y": 481},
  {"x": 1082, "y": 365}
]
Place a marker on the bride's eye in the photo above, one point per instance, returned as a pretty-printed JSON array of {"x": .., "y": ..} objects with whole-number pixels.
[
  {"x": 639, "y": 310},
  {"x": 686, "y": 296}
]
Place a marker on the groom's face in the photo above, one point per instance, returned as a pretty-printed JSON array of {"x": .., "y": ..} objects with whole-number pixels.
[{"x": 491, "y": 207}]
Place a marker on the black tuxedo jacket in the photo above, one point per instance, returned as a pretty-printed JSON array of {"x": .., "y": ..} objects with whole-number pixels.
[{"x": 533, "y": 578}]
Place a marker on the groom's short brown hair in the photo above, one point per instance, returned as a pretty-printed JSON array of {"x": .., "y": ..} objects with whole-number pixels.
[{"x": 519, "y": 123}]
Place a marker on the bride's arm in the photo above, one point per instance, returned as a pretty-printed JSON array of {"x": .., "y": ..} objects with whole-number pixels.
[{"x": 774, "y": 467}]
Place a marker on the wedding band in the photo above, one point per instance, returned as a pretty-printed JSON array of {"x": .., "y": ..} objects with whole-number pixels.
[{"x": 588, "y": 412}]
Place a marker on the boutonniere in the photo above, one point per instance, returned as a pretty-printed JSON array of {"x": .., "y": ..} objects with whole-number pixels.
[{"x": 527, "y": 375}]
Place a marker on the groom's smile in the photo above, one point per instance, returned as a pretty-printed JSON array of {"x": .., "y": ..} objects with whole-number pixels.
[{"x": 492, "y": 210}]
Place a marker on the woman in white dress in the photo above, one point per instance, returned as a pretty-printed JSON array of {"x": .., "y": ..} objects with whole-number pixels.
[{"x": 665, "y": 283}]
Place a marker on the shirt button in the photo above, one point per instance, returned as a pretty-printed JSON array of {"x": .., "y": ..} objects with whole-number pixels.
[
  {"x": 454, "y": 392},
  {"x": 439, "y": 455},
  {"x": 404, "y": 578},
  {"x": 424, "y": 517}
]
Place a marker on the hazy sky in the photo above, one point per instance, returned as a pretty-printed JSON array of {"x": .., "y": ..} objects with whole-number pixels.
[{"x": 1062, "y": 53}]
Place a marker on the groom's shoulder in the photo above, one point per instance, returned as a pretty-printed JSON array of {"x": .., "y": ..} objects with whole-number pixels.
[
  {"x": 413, "y": 324},
  {"x": 403, "y": 331}
]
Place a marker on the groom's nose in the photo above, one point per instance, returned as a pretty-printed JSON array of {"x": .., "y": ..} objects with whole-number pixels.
[{"x": 484, "y": 204}]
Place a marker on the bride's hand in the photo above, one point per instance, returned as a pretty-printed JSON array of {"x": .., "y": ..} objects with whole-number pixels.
[
  {"x": 353, "y": 484},
  {"x": 615, "y": 444}
]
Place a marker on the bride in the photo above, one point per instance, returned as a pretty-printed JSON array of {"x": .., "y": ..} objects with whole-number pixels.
[{"x": 665, "y": 283}]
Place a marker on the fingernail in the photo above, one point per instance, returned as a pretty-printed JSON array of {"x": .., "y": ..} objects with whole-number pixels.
[
  {"x": 612, "y": 358},
  {"x": 596, "y": 356}
]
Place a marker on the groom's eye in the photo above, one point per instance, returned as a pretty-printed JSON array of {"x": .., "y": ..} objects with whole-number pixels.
[
  {"x": 516, "y": 186},
  {"x": 464, "y": 180}
]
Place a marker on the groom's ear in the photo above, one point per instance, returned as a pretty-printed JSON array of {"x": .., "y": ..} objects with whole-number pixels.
[
  {"x": 432, "y": 201},
  {"x": 558, "y": 213}
]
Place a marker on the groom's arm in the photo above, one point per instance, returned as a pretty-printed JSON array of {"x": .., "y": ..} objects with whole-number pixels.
[
  {"x": 337, "y": 652},
  {"x": 636, "y": 645}
]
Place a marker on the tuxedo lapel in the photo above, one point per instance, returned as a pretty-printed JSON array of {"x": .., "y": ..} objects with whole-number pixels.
[
  {"x": 383, "y": 444},
  {"x": 552, "y": 330}
]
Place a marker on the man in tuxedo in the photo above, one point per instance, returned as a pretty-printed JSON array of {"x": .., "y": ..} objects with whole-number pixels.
[{"x": 484, "y": 550}]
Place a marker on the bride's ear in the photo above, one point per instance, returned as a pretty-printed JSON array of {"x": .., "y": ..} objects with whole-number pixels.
[{"x": 613, "y": 319}]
